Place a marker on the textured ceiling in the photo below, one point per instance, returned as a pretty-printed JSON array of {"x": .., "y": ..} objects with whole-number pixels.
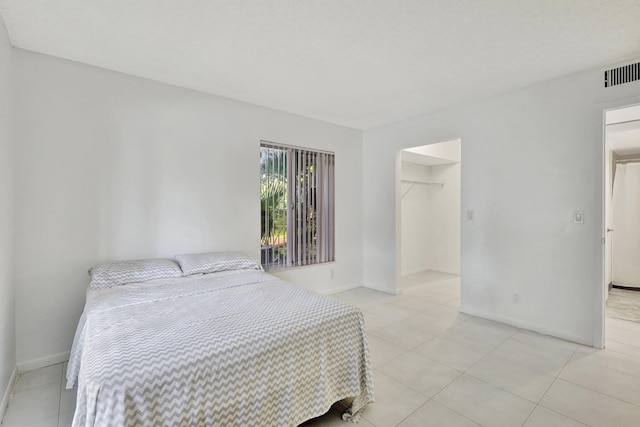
[{"x": 359, "y": 63}]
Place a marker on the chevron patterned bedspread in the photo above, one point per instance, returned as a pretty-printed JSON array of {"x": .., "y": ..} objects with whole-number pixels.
[{"x": 239, "y": 348}]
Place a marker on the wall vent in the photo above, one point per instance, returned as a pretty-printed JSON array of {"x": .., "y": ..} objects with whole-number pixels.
[{"x": 621, "y": 75}]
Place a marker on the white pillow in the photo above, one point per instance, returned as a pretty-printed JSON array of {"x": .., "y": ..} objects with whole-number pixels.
[
  {"x": 122, "y": 272},
  {"x": 211, "y": 262}
]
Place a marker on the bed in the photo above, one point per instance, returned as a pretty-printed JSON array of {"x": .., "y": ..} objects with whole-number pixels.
[{"x": 236, "y": 347}]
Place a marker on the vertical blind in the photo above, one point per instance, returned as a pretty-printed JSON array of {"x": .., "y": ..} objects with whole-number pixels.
[{"x": 297, "y": 206}]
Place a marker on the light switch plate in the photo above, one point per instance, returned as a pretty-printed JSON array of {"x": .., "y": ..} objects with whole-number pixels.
[{"x": 578, "y": 217}]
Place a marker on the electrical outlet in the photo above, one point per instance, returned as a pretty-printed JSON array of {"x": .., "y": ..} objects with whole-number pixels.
[
  {"x": 516, "y": 298},
  {"x": 578, "y": 217},
  {"x": 470, "y": 215},
  {"x": 333, "y": 274}
]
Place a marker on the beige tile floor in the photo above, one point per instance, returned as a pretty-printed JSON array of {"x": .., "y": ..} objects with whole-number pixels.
[{"x": 433, "y": 366}]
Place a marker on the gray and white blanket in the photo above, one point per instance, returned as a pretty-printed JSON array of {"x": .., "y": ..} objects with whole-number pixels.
[{"x": 239, "y": 348}]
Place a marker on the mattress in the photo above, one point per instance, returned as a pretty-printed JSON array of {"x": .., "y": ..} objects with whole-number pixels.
[{"x": 238, "y": 348}]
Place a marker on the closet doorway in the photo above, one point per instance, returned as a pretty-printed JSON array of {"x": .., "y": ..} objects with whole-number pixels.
[
  {"x": 430, "y": 218},
  {"x": 622, "y": 222}
]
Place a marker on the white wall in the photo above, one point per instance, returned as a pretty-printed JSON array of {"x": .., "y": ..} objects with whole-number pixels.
[
  {"x": 110, "y": 166},
  {"x": 529, "y": 159},
  {"x": 7, "y": 318},
  {"x": 416, "y": 219},
  {"x": 430, "y": 221},
  {"x": 444, "y": 232}
]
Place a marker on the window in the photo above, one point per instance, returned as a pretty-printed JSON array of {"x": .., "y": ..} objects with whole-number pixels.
[{"x": 296, "y": 206}]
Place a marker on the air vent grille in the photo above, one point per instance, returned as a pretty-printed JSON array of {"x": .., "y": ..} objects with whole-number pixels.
[{"x": 621, "y": 75}]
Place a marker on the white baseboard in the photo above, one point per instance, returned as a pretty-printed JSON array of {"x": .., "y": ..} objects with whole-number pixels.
[
  {"x": 422, "y": 270},
  {"x": 445, "y": 270},
  {"x": 413, "y": 271},
  {"x": 384, "y": 289},
  {"x": 526, "y": 325},
  {"x": 7, "y": 393},
  {"x": 340, "y": 289},
  {"x": 30, "y": 365}
]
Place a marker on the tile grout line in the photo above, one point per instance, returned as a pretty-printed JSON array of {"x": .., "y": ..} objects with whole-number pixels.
[
  {"x": 520, "y": 365},
  {"x": 635, "y": 347},
  {"x": 535, "y": 404},
  {"x": 445, "y": 406},
  {"x": 458, "y": 377},
  {"x": 460, "y": 373},
  {"x": 414, "y": 411},
  {"x": 450, "y": 367},
  {"x": 551, "y": 385},
  {"x": 621, "y": 353},
  {"x": 416, "y": 346},
  {"x": 567, "y": 416},
  {"x": 529, "y": 416},
  {"x": 589, "y": 388},
  {"x": 557, "y": 377},
  {"x": 597, "y": 391},
  {"x": 413, "y": 348},
  {"x": 441, "y": 404}
]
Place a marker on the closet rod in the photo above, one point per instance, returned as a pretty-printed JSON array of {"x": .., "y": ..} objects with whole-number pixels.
[
  {"x": 627, "y": 161},
  {"x": 408, "y": 181},
  {"x": 623, "y": 122},
  {"x": 414, "y": 183}
]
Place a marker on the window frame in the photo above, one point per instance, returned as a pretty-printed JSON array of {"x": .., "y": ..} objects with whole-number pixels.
[{"x": 309, "y": 237}]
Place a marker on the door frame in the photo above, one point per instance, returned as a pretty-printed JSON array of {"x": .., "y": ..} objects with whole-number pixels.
[
  {"x": 619, "y": 105},
  {"x": 398, "y": 205}
]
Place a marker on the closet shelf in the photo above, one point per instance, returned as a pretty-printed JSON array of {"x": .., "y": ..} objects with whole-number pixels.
[
  {"x": 414, "y": 183},
  {"x": 407, "y": 181}
]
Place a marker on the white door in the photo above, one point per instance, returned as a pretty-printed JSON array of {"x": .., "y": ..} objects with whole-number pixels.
[{"x": 625, "y": 268}]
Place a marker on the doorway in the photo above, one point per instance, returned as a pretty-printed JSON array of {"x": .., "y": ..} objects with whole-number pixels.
[
  {"x": 622, "y": 223},
  {"x": 429, "y": 216}
]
